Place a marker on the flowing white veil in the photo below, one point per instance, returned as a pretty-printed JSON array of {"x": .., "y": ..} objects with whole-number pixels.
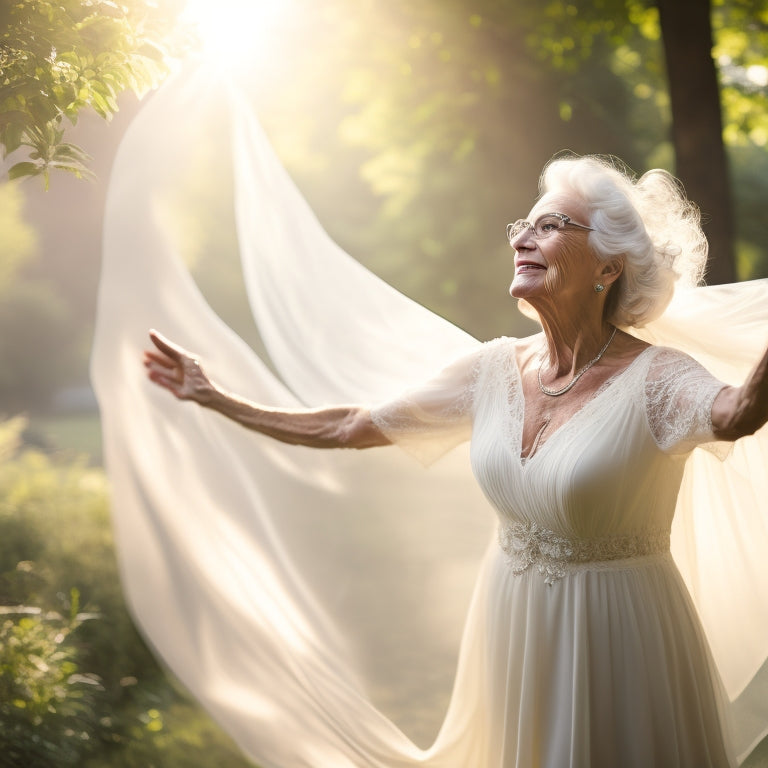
[{"x": 313, "y": 601}]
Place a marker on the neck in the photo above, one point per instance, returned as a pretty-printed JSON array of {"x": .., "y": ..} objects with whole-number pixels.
[{"x": 572, "y": 340}]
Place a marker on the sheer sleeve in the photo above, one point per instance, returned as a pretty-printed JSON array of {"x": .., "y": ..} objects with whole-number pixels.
[
  {"x": 679, "y": 393},
  {"x": 429, "y": 419}
]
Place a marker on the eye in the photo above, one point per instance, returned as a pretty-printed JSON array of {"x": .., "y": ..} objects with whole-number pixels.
[{"x": 546, "y": 225}]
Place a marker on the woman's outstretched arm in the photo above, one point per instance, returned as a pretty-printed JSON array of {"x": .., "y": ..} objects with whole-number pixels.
[
  {"x": 740, "y": 411},
  {"x": 178, "y": 371}
]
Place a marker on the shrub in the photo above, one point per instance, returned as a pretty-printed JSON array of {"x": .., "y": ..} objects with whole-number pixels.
[{"x": 79, "y": 687}]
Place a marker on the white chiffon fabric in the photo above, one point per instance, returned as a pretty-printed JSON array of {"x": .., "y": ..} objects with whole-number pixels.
[{"x": 314, "y": 601}]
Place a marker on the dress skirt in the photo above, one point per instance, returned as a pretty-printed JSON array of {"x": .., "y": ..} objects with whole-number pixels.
[{"x": 607, "y": 666}]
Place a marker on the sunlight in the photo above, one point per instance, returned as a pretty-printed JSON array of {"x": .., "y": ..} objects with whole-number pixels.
[{"x": 235, "y": 33}]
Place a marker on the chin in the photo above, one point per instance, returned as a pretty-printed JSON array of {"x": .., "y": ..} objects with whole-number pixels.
[{"x": 518, "y": 291}]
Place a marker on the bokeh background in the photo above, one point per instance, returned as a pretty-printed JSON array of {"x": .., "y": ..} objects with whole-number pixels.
[{"x": 416, "y": 129}]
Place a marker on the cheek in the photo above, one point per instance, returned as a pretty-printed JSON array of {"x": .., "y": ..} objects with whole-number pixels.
[
  {"x": 556, "y": 278},
  {"x": 565, "y": 269}
]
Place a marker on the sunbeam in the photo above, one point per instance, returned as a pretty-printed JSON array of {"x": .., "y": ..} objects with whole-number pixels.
[{"x": 236, "y": 33}]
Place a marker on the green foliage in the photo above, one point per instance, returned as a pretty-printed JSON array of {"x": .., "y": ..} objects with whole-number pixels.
[
  {"x": 47, "y": 707},
  {"x": 741, "y": 51},
  {"x": 170, "y": 733},
  {"x": 749, "y": 166},
  {"x": 58, "y": 57},
  {"x": 77, "y": 685},
  {"x": 610, "y": 53}
]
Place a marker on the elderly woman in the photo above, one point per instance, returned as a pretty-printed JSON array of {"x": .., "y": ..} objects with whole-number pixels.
[{"x": 583, "y": 647}]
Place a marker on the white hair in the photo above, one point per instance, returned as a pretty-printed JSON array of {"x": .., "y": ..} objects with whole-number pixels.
[{"x": 648, "y": 222}]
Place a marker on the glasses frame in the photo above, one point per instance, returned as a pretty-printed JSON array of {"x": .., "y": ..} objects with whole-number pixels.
[{"x": 522, "y": 224}]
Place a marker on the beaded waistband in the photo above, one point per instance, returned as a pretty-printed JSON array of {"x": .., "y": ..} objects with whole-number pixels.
[{"x": 553, "y": 555}]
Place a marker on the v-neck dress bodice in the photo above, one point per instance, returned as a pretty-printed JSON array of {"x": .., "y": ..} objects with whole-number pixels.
[
  {"x": 602, "y": 477},
  {"x": 582, "y": 647}
]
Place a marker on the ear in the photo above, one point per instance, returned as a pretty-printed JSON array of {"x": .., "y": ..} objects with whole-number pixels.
[{"x": 609, "y": 271}]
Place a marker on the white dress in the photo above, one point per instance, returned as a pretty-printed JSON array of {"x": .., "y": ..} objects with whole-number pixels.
[{"x": 582, "y": 647}]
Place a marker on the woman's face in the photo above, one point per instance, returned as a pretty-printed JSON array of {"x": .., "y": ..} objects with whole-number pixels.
[{"x": 559, "y": 263}]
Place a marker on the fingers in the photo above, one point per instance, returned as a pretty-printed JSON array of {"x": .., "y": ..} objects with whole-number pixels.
[
  {"x": 163, "y": 367},
  {"x": 172, "y": 385},
  {"x": 166, "y": 365},
  {"x": 166, "y": 346},
  {"x": 172, "y": 367},
  {"x": 169, "y": 355},
  {"x": 151, "y": 357}
]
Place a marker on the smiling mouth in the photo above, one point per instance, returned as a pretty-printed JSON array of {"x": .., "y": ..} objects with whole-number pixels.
[{"x": 528, "y": 266}]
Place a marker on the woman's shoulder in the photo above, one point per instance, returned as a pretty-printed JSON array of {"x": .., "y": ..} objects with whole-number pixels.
[
  {"x": 492, "y": 355},
  {"x": 672, "y": 377},
  {"x": 520, "y": 344},
  {"x": 668, "y": 360},
  {"x": 653, "y": 363},
  {"x": 494, "y": 347}
]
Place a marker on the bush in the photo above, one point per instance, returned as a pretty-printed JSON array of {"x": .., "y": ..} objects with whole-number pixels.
[
  {"x": 78, "y": 686},
  {"x": 47, "y": 707}
]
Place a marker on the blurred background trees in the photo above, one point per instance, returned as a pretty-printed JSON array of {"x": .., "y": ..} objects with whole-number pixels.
[{"x": 417, "y": 130}]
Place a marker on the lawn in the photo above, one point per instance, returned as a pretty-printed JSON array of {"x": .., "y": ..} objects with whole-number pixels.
[{"x": 75, "y": 434}]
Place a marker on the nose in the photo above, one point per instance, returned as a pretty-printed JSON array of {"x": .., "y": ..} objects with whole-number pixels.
[{"x": 523, "y": 240}]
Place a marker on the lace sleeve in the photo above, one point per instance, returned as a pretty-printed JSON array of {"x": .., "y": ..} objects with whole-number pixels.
[
  {"x": 679, "y": 393},
  {"x": 429, "y": 419}
]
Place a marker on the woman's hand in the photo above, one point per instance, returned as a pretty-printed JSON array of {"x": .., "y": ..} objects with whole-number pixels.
[
  {"x": 741, "y": 411},
  {"x": 179, "y": 371}
]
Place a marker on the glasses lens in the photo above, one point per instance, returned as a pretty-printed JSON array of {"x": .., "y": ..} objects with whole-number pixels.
[
  {"x": 513, "y": 230},
  {"x": 548, "y": 224}
]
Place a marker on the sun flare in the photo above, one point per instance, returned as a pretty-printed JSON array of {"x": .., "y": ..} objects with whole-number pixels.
[{"x": 234, "y": 33}]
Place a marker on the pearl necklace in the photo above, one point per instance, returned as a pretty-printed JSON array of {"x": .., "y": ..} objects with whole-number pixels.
[{"x": 579, "y": 373}]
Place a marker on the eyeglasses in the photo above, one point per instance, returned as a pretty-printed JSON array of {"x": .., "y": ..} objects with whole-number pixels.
[{"x": 546, "y": 225}]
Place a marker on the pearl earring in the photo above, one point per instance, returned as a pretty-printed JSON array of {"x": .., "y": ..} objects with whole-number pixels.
[{"x": 599, "y": 288}]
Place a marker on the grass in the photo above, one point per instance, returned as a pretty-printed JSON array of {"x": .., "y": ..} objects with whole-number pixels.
[{"x": 77, "y": 434}]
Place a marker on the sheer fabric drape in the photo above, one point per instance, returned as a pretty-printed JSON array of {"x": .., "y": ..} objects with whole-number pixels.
[{"x": 314, "y": 601}]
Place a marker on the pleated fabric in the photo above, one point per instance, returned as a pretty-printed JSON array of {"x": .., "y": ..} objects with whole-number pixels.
[{"x": 315, "y": 602}]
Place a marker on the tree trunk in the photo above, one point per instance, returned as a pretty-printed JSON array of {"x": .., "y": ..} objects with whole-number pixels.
[{"x": 697, "y": 126}]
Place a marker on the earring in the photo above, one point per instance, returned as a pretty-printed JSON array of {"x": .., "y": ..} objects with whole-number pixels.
[{"x": 599, "y": 288}]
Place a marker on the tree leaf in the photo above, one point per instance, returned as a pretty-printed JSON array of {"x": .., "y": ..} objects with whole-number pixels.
[{"x": 24, "y": 169}]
